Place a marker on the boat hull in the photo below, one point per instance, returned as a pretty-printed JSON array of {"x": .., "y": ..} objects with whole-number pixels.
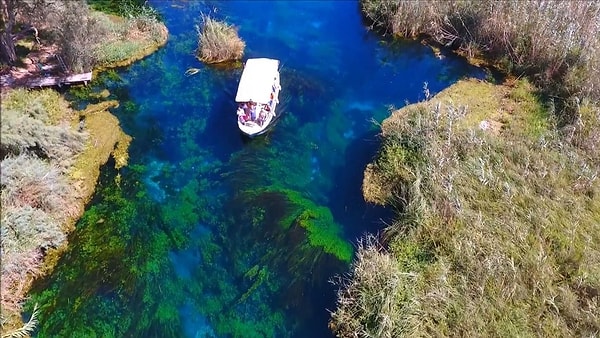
[{"x": 258, "y": 96}]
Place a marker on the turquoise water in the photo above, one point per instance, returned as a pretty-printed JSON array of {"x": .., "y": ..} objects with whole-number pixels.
[{"x": 210, "y": 234}]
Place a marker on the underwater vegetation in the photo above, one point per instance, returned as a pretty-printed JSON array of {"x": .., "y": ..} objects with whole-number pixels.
[
  {"x": 117, "y": 257},
  {"x": 206, "y": 234},
  {"x": 294, "y": 213}
]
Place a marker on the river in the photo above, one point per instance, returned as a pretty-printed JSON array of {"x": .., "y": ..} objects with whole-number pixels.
[{"x": 209, "y": 234}]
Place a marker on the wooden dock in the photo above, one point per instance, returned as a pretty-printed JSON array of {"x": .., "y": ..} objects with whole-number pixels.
[{"x": 50, "y": 81}]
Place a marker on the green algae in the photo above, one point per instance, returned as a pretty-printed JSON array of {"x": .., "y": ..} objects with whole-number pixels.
[
  {"x": 321, "y": 230},
  {"x": 117, "y": 256}
]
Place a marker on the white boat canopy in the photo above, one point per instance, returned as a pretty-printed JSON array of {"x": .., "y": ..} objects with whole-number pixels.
[{"x": 256, "y": 83}]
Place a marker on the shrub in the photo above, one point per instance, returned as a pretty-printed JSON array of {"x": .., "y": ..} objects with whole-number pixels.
[
  {"x": 21, "y": 133},
  {"x": 79, "y": 33},
  {"x": 37, "y": 196},
  {"x": 45, "y": 105},
  {"x": 25, "y": 230},
  {"x": 28, "y": 128},
  {"x": 119, "y": 7},
  {"x": 218, "y": 41},
  {"x": 372, "y": 297},
  {"x": 29, "y": 181}
]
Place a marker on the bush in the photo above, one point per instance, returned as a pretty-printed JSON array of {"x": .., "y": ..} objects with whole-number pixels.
[
  {"x": 28, "y": 128},
  {"x": 119, "y": 7},
  {"x": 29, "y": 181},
  {"x": 25, "y": 230},
  {"x": 21, "y": 134},
  {"x": 218, "y": 41},
  {"x": 37, "y": 196},
  {"x": 372, "y": 298},
  {"x": 78, "y": 35}
]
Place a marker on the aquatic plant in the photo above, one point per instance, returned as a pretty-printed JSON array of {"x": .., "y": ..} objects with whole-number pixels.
[
  {"x": 289, "y": 209},
  {"x": 180, "y": 214},
  {"x": 218, "y": 41},
  {"x": 120, "y": 273}
]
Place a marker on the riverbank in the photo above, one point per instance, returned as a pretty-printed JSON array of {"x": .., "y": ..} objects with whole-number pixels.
[
  {"x": 52, "y": 157},
  {"x": 497, "y": 226},
  {"x": 496, "y": 192}
]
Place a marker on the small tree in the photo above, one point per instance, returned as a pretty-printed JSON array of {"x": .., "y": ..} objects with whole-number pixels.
[
  {"x": 78, "y": 35},
  {"x": 7, "y": 46},
  {"x": 31, "y": 14},
  {"x": 218, "y": 41}
]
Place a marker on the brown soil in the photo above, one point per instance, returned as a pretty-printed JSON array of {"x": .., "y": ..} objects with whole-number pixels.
[{"x": 40, "y": 62}]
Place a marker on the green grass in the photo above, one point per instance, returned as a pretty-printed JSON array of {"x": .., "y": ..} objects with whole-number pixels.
[
  {"x": 127, "y": 38},
  {"x": 498, "y": 230}
]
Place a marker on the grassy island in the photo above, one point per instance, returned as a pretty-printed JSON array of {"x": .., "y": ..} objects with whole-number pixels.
[
  {"x": 218, "y": 41},
  {"x": 495, "y": 184},
  {"x": 52, "y": 154}
]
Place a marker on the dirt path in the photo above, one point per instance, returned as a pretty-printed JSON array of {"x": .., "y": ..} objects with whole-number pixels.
[{"x": 38, "y": 63}]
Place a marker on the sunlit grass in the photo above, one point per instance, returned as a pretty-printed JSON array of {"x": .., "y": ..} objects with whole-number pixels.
[
  {"x": 128, "y": 38},
  {"x": 498, "y": 231},
  {"x": 556, "y": 43}
]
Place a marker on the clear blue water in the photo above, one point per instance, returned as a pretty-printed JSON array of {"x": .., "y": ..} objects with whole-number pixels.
[{"x": 191, "y": 239}]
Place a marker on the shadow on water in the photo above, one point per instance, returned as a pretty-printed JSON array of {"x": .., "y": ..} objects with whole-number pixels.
[{"x": 347, "y": 203}]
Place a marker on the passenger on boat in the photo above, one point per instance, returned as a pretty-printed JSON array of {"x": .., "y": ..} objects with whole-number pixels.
[
  {"x": 242, "y": 115},
  {"x": 253, "y": 111},
  {"x": 262, "y": 116}
]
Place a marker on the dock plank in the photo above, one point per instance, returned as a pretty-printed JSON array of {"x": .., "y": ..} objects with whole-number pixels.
[{"x": 49, "y": 81}]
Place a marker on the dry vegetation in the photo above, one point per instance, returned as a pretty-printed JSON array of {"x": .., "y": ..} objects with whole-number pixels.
[
  {"x": 128, "y": 39},
  {"x": 38, "y": 147},
  {"x": 218, "y": 41},
  {"x": 50, "y": 161},
  {"x": 499, "y": 225},
  {"x": 90, "y": 38},
  {"x": 555, "y": 42},
  {"x": 497, "y": 191},
  {"x": 83, "y": 38},
  {"x": 48, "y": 172}
]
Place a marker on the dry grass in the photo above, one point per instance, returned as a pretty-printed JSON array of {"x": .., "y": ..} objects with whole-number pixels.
[
  {"x": 556, "y": 42},
  {"x": 375, "y": 298},
  {"x": 126, "y": 40},
  {"x": 218, "y": 41},
  {"x": 499, "y": 224}
]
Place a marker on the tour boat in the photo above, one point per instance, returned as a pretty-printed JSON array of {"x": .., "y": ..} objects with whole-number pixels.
[{"x": 258, "y": 95}]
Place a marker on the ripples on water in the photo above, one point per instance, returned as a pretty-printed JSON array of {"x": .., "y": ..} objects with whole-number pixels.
[{"x": 210, "y": 234}]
